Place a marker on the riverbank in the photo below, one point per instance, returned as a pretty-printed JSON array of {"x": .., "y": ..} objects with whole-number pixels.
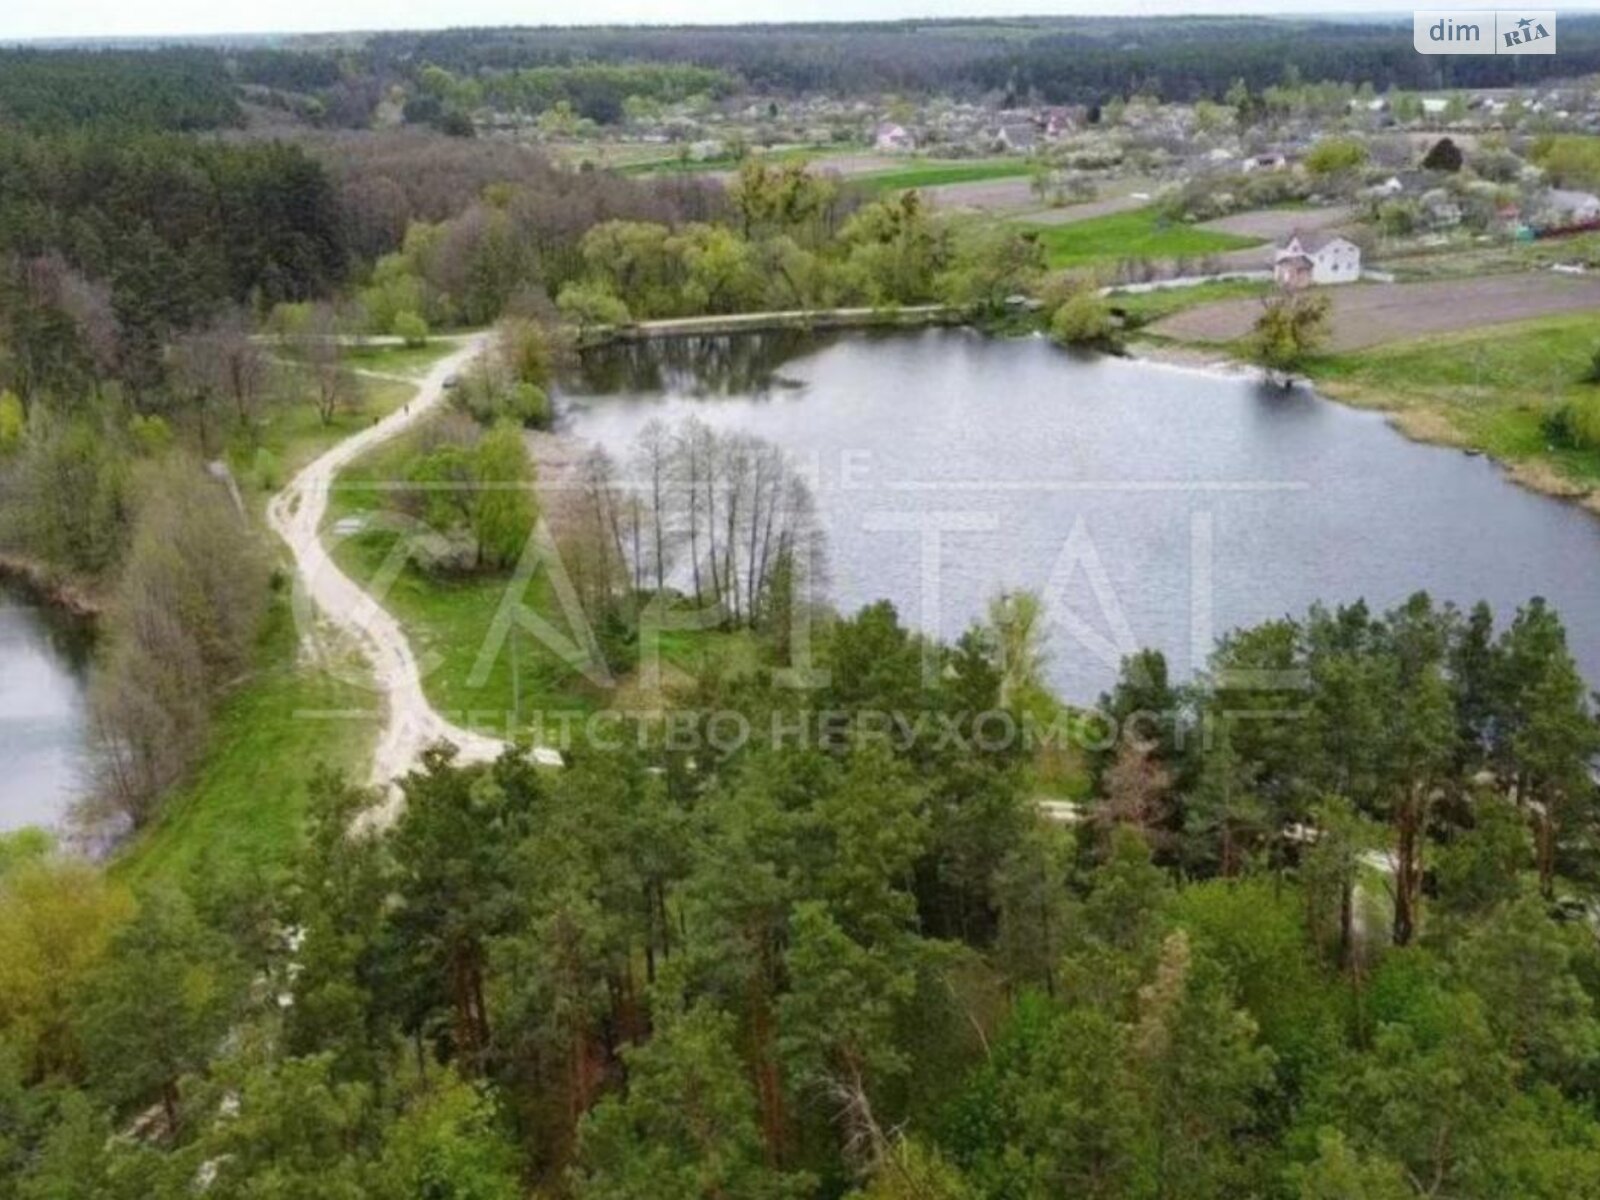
[
  {"x": 804, "y": 319},
  {"x": 1482, "y": 391},
  {"x": 51, "y": 586}
]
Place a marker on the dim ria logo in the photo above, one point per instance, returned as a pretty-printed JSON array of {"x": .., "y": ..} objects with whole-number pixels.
[{"x": 1474, "y": 31}]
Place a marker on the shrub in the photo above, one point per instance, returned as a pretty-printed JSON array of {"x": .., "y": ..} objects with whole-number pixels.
[
  {"x": 586, "y": 304},
  {"x": 13, "y": 423},
  {"x": 266, "y": 472},
  {"x": 1084, "y": 319},
  {"x": 1574, "y": 424},
  {"x": 411, "y": 329},
  {"x": 151, "y": 434}
]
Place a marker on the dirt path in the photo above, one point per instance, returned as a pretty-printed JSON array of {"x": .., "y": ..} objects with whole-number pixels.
[{"x": 411, "y": 723}]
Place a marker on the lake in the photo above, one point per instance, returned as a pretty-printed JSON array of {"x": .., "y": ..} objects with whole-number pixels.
[
  {"x": 1152, "y": 506},
  {"x": 44, "y": 658}
]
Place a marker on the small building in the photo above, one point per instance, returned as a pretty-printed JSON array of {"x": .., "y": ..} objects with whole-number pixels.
[
  {"x": 893, "y": 139},
  {"x": 1021, "y": 138},
  {"x": 1274, "y": 160},
  {"x": 1061, "y": 120},
  {"x": 1569, "y": 207},
  {"x": 1316, "y": 258}
]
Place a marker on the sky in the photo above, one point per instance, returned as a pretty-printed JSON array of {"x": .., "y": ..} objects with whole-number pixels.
[
  {"x": 140, "y": 18},
  {"x": 22, "y": 19}
]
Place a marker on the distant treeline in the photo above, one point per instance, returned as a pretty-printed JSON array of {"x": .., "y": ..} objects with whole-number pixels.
[
  {"x": 1060, "y": 60},
  {"x": 596, "y": 70},
  {"x": 160, "y": 232},
  {"x": 158, "y": 89}
]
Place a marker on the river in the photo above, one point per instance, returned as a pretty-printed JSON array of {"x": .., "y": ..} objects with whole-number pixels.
[
  {"x": 44, "y": 658},
  {"x": 1153, "y": 506}
]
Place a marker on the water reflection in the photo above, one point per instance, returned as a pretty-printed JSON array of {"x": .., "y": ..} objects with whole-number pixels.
[
  {"x": 44, "y": 662},
  {"x": 1153, "y": 506},
  {"x": 746, "y": 364}
]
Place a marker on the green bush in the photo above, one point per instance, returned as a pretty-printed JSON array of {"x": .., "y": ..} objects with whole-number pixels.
[
  {"x": 151, "y": 434},
  {"x": 13, "y": 423},
  {"x": 1574, "y": 424},
  {"x": 411, "y": 329},
  {"x": 265, "y": 470},
  {"x": 1084, "y": 319}
]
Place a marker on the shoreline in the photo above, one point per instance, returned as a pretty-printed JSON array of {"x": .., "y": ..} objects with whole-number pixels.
[
  {"x": 1425, "y": 426},
  {"x": 51, "y": 586}
]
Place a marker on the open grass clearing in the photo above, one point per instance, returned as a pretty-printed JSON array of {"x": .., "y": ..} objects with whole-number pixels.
[
  {"x": 1487, "y": 389},
  {"x": 1141, "y": 233}
]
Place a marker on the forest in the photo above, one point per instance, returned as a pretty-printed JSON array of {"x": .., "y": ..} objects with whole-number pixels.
[
  {"x": 828, "y": 956},
  {"x": 1079, "y": 60}
]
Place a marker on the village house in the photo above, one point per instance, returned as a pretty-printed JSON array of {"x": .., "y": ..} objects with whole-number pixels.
[
  {"x": 1569, "y": 207},
  {"x": 1316, "y": 258},
  {"x": 1020, "y": 138},
  {"x": 1272, "y": 161},
  {"x": 893, "y": 139}
]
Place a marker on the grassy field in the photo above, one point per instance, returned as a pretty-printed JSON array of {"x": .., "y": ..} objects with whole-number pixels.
[
  {"x": 1144, "y": 307},
  {"x": 1487, "y": 389},
  {"x": 1140, "y": 233},
  {"x": 937, "y": 174},
  {"x": 398, "y": 360},
  {"x": 242, "y": 812}
]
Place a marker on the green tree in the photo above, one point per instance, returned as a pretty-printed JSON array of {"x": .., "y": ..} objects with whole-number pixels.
[
  {"x": 504, "y": 510},
  {"x": 449, "y": 1144},
  {"x": 588, "y": 304},
  {"x": 156, "y": 1005},
  {"x": 1292, "y": 325},
  {"x": 411, "y": 329},
  {"x": 453, "y": 851},
  {"x": 13, "y": 423},
  {"x": 685, "y": 1127},
  {"x": 1341, "y": 1173},
  {"x": 1335, "y": 156},
  {"x": 57, "y": 917},
  {"x": 1083, "y": 319}
]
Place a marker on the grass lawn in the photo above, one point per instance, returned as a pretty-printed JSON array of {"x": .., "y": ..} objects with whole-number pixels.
[
  {"x": 936, "y": 174},
  {"x": 1143, "y": 308},
  {"x": 1138, "y": 233},
  {"x": 1488, "y": 389},
  {"x": 398, "y": 360},
  {"x": 242, "y": 812}
]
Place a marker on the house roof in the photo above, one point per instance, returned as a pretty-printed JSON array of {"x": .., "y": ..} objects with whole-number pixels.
[
  {"x": 1567, "y": 200},
  {"x": 1313, "y": 241},
  {"x": 1019, "y": 135}
]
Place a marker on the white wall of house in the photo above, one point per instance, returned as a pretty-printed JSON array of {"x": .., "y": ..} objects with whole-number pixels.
[{"x": 1336, "y": 261}]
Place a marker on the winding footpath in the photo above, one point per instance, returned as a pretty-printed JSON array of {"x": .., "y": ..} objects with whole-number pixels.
[{"x": 411, "y": 724}]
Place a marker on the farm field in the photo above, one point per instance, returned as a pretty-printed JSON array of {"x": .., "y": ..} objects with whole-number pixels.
[
  {"x": 1273, "y": 224},
  {"x": 1373, "y": 314},
  {"x": 933, "y": 174}
]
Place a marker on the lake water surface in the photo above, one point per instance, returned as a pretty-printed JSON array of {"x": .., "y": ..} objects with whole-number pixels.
[
  {"x": 1152, "y": 506},
  {"x": 43, "y": 666}
]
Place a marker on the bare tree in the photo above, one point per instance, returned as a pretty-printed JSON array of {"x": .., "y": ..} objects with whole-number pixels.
[
  {"x": 653, "y": 465},
  {"x": 317, "y": 344}
]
